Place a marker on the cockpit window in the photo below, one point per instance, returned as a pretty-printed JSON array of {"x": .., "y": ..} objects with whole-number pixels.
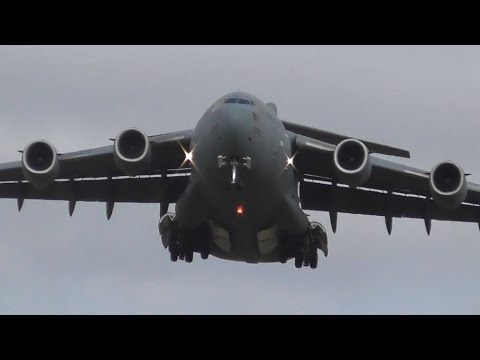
[
  {"x": 239, "y": 101},
  {"x": 243, "y": 102}
]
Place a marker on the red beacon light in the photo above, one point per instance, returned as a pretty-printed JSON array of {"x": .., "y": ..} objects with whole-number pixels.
[{"x": 240, "y": 210}]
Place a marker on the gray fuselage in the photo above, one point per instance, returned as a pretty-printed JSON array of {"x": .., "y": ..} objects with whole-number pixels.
[{"x": 264, "y": 190}]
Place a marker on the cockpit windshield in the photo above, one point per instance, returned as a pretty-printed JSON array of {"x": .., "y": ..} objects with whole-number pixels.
[
  {"x": 239, "y": 101},
  {"x": 243, "y": 101}
]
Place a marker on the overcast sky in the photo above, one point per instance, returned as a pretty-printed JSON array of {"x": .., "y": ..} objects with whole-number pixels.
[{"x": 422, "y": 98}]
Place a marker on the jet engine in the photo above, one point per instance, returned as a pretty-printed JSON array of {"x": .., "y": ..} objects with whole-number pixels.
[
  {"x": 352, "y": 162},
  {"x": 448, "y": 185},
  {"x": 40, "y": 164},
  {"x": 132, "y": 152}
]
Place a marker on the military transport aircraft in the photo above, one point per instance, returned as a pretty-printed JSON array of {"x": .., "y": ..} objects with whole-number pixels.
[{"x": 241, "y": 181}]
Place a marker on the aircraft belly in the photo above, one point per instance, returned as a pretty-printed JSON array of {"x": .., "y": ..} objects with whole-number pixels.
[{"x": 244, "y": 246}]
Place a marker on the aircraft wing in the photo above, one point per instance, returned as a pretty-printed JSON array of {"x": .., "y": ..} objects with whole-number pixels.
[
  {"x": 335, "y": 139},
  {"x": 92, "y": 175},
  {"x": 392, "y": 189},
  {"x": 99, "y": 162},
  {"x": 324, "y": 197}
]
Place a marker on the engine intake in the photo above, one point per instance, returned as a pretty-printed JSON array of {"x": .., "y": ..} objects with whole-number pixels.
[
  {"x": 132, "y": 152},
  {"x": 352, "y": 162},
  {"x": 40, "y": 164},
  {"x": 448, "y": 185}
]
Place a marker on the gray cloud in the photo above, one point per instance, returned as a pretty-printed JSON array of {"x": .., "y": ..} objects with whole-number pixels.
[{"x": 423, "y": 98}]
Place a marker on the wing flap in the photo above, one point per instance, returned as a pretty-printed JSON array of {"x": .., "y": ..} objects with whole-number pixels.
[
  {"x": 324, "y": 197},
  {"x": 121, "y": 190}
]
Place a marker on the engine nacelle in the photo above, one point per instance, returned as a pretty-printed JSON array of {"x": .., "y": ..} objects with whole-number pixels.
[
  {"x": 353, "y": 165},
  {"x": 448, "y": 185},
  {"x": 132, "y": 152},
  {"x": 40, "y": 164}
]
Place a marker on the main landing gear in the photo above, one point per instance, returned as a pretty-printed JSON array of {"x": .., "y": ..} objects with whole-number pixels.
[
  {"x": 307, "y": 254},
  {"x": 179, "y": 250},
  {"x": 183, "y": 244}
]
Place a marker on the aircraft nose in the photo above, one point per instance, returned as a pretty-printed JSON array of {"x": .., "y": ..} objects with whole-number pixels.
[{"x": 237, "y": 123}]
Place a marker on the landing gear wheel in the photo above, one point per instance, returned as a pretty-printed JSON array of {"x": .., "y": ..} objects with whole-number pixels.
[
  {"x": 173, "y": 256},
  {"x": 188, "y": 256},
  {"x": 282, "y": 255},
  {"x": 204, "y": 255},
  {"x": 173, "y": 247},
  {"x": 314, "y": 259},
  {"x": 298, "y": 261},
  {"x": 282, "y": 251}
]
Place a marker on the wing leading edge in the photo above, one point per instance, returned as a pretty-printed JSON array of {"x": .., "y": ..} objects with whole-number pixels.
[
  {"x": 92, "y": 176},
  {"x": 392, "y": 189},
  {"x": 99, "y": 162}
]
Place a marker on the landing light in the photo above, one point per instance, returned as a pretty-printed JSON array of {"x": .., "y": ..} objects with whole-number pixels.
[
  {"x": 290, "y": 161},
  {"x": 188, "y": 156}
]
